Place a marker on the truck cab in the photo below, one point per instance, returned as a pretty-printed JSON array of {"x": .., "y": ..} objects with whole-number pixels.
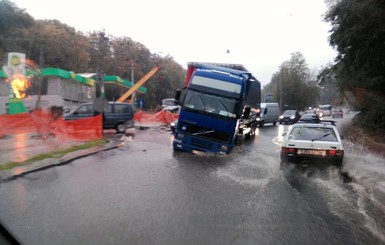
[{"x": 213, "y": 109}]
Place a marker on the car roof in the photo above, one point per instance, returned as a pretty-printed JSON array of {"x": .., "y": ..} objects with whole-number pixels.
[{"x": 314, "y": 125}]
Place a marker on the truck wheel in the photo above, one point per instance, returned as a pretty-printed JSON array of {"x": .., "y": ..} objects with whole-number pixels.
[
  {"x": 274, "y": 123},
  {"x": 261, "y": 124},
  {"x": 236, "y": 140},
  {"x": 253, "y": 131}
]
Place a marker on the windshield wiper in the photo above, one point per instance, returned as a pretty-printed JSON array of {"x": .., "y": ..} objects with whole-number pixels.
[
  {"x": 320, "y": 137},
  {"x": 204, "y": 132},
  {"x": 202, "y": 100},
  {"x": 224, "y": 106}
]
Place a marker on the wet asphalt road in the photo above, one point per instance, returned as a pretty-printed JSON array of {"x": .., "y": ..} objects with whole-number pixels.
[{"x": 144, "y": 193}]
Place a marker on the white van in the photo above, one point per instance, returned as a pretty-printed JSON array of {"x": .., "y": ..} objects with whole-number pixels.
[{"x": 269, "y": 113}]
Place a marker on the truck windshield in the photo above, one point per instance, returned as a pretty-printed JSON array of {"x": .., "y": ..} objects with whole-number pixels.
[{"x": 210, "y": 103}]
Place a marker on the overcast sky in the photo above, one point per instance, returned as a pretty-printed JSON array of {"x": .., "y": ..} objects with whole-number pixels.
[{"x": 259, "y": 34}]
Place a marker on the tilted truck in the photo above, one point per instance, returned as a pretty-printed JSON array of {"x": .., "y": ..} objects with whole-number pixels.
[{"x": 220, "y": 103}]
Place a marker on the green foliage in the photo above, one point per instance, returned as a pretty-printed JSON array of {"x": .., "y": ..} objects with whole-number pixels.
[
  {"x": 12, "y": 17},
  {"x": 358, "y": 33},
  {"x": 294, "y": 80},
  {"x": 51, "y": 43}
]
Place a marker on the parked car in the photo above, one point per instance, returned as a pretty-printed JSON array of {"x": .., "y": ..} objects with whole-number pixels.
[
  {"x": 171, "y": 105},
  {"x": 289, "y": 116},
  {"x": 116, "y": 115},
  {"x": 310, "y": 111},
  {"x": 309, "y": 143},
  {"x": 337, "y": 113}
]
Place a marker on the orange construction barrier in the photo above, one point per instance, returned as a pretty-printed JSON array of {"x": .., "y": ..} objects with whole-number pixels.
[
  {"x": 153, "y": 120},
  {"x": 45, "y": 123}
]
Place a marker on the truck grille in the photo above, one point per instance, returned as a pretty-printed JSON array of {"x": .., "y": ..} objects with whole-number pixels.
[
  {"x": 201, "y": 143},
  {"x": 198, "y": 132}
]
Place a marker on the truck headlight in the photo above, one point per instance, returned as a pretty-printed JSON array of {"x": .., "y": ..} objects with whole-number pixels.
[{"x": 224, "y": 148}]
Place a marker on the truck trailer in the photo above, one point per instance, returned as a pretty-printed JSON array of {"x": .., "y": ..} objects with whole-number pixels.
[{"x": 219, "y": 103}]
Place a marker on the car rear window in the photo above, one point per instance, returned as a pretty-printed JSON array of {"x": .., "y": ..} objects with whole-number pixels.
[
  {"x": 314, "y": 134},
  {"x": 291, "y": 112},
  {"x": 122, "y": 108}
]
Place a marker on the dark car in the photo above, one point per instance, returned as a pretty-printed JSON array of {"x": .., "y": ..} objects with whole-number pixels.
[
  {"x": 310, "y": 118},
  {"x": 289, "y": 116},
  {"x": 116, "y": 115}
]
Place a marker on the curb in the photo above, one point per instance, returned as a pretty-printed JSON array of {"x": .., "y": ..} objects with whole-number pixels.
[{"x": 7, "y": 175}]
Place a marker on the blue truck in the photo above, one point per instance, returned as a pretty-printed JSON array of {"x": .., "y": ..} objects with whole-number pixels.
[{"x": 219, "y": 104}]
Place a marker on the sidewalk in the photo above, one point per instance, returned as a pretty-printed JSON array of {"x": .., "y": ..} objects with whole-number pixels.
[{"x": 20, "y": 147}]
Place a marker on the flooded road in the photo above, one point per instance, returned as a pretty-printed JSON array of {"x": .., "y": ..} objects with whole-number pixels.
[{"x": 144, "y": 193}]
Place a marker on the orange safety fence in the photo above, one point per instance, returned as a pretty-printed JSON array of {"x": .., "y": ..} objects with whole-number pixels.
[
  {"x": 44, "y": 123},
  {"x": 152, "y": 120},
  {"x": 90, "y": 128}
]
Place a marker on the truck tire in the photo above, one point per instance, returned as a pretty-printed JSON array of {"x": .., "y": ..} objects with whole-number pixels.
[
  {"x": 251, "y": 134},
  {"x": 236, "y": 140}
]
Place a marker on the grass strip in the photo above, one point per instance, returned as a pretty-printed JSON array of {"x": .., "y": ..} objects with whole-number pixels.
[{"x": 55, "y": 154}]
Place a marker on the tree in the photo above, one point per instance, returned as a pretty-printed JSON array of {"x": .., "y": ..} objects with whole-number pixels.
[
  {"x": 12, "y": 19},
  {"x": 358, "y": 34},
  {"x": 99, "y": 51},
  {"x": 61, "y": 46},
  {"x": 292, "y": 85}
]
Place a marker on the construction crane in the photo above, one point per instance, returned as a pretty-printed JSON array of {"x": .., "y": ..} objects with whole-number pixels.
[{"x": 138, "y": 84}]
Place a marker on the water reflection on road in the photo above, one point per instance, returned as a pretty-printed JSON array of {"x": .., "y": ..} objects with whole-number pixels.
[{"x": 145, "y": 193}]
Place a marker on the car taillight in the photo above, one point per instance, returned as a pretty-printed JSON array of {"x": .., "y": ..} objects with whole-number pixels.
[
  {"x": 335, "y": 152},
  {"x": 288, "y": 150}
]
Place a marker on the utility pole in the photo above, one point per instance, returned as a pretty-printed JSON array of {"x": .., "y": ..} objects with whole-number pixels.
[
  {"x": 40, "y": 78},
  {"x": 100, "y": 102},
  {"x": 280, "y": 90},
  {"x": 133, "y": 82}
]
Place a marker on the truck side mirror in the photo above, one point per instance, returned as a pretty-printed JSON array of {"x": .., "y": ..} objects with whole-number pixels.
[
  {"x": 177, "y": 96},
  {"x": 246, "y": 113}
]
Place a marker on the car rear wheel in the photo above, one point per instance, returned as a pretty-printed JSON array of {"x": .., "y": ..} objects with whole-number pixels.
[
  {"x": 338, "y": 163},
  {"x": 121, "y": 127}
]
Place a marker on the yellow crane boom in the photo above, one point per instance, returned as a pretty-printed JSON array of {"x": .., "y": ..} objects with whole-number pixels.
[{"x": 138, "y": 84}]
